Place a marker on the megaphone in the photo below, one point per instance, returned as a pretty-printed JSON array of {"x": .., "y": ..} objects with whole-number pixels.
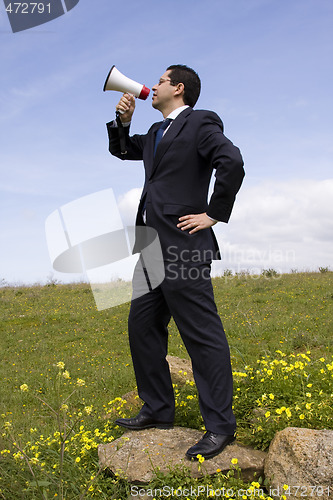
[{"x": 117, "y": 81}]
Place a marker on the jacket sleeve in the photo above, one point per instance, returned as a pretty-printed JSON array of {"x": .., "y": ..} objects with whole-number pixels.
[
  {"x": 228, "y": 163},
  {"x": 134, "y": 144}
]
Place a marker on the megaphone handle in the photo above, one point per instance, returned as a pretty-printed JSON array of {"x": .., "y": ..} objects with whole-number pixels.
[{"x": 121, "y": 131}]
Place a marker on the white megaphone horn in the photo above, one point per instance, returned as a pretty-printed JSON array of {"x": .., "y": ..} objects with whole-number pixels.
[{"x": 117, "y": 81}]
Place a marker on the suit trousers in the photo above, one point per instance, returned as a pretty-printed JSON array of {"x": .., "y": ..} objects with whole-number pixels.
[{"x": 187, "y": 295}]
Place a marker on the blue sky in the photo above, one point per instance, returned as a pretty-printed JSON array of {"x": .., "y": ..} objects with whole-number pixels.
[{"x": 266, "y": 69}]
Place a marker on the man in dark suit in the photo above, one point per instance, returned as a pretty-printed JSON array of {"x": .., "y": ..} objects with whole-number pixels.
[{"x": 174, "y": 202}]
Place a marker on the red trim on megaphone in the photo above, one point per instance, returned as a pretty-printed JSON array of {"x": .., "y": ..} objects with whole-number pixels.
[{"x": 144, "y": 93}]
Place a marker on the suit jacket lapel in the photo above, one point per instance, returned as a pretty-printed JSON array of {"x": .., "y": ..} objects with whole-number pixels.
[
  {"x": 149, "y": 163},
  {"x": 170, "y": 135}
]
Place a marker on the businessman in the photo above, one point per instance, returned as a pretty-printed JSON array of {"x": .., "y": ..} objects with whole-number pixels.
[{"x": 180, "y": 155}]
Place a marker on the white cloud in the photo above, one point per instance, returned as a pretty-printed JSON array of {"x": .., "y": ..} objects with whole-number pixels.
[
  {"x": 286, "y": 210},
  {"x": 128, "y": 205},
  {"x": 285, "y": 225}
]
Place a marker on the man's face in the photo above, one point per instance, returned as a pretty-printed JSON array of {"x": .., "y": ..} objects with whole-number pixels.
[{"x": 163, "y": 92}]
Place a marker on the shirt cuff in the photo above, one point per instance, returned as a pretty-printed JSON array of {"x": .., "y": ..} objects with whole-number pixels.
[
  {"x": 114, "y": 124},
  {"x": 211, "y": 218}
]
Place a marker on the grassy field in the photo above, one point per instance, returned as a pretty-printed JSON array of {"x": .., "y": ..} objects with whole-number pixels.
[{"x": 65, "y": 364}]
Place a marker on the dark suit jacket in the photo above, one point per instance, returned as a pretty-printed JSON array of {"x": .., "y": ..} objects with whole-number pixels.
[{"x": 177, "y": 180}]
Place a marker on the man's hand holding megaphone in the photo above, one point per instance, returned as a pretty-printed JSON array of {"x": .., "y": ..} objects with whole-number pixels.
[
  {"x": 126, "y": 107},
  {"x": 117, "y": 81}
]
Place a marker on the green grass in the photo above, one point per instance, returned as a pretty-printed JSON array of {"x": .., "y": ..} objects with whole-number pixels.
[{"x": 42, "y": 325}]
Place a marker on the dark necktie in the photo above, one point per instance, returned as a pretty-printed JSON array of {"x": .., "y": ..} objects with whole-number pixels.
[{"x": 160, "y": 132}]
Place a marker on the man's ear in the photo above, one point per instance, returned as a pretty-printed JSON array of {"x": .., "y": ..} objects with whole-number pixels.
[{"x": 179, "y": 89}]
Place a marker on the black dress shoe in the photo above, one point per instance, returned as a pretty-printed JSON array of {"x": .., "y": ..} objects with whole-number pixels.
[
  {"x": 210, "y": 445},
  {"x": 142, "y": 421}
]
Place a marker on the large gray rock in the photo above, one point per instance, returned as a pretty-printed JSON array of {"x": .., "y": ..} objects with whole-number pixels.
[
  {"x": 303, "y": 460},
  {"x": 135, "y": 455}
]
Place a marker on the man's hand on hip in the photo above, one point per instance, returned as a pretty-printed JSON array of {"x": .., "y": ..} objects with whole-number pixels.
[{"x": 195, "y": 222}]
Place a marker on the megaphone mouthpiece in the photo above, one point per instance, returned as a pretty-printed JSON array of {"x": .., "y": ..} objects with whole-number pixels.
[
  {"x": 117, "y": 81},
  {"x": 144, "y": 93}
]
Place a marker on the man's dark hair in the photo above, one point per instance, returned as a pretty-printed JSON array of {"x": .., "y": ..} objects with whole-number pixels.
[{"x": 179, "y": 73}]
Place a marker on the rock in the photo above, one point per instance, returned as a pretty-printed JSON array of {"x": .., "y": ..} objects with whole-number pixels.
[
  {"x": 180, "y": 369},
  {"x": 129, "y": 402},
  {"x": 133, "y": 402},
  {"x": 135, "y": 455},
  {"x": 303, "y": 460}
]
